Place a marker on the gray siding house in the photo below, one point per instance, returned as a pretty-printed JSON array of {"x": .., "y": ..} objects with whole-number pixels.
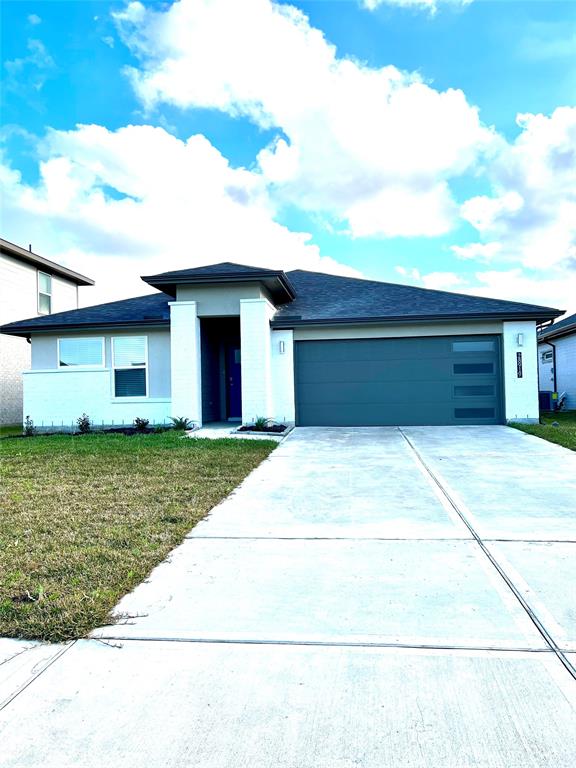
[
  {"x": 557, "y": 359},
  {"x": 229, "y": 342},
  {"x": 29, "y": 285}
]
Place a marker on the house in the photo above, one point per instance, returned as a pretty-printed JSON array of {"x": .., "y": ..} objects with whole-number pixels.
[
  {"x": 557, "y": 359},
  {"x": 29, "y": 285},
  {"x": 233, "y": 342}
]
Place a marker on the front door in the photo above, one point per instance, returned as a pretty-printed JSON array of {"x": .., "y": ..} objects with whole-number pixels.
[{"x": 233, "y": 382}]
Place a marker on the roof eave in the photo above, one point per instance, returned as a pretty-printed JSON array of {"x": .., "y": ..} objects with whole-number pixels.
[
  {"x": 168, "y": 284},
  {"x": 291, "y": 323},
  {"x": 566, "y": 331},
  {"x": 17, "y": 252},
  {"x": 26, "y": 330}
]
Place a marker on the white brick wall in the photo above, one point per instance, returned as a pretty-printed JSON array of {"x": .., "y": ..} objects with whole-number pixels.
[
  {"x": 185, "y": 360},
  {"x": 255, "y": 342},
  {"x": 57, "y": 398},
  {"x": 520, "y": 394}
]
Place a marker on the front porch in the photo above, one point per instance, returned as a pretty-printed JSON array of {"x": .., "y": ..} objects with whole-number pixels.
[{"x": 230, "y": 368}]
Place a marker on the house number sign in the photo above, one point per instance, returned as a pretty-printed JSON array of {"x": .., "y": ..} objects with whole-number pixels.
[{"x": 519, "y": 364}]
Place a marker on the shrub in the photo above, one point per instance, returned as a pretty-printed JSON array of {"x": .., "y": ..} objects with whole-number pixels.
[
  {"x": 29, "y": 428},
  {"x": 141, "y": 425},
  {"x": 181, "y": 422},
  {"x": 260, "y": 424},
  {"x": 84, "y": 425}
]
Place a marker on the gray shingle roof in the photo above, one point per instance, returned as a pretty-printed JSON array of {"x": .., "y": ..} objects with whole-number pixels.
[
  {"x": 152, "y": 309},
  {"x": 223, "y": 268},
  {"x": 567, "y": 324},
  {"x": 320, "y": 298}
]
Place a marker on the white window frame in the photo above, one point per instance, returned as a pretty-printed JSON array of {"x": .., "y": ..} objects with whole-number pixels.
[
  {"x": 129, "y": 368},
  {"x": 88, "y": 365},
  {"x": 38, "y": 291}
]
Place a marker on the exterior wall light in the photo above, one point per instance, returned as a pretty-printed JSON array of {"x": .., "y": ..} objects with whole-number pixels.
[
  {"x": 281, "y": 347},
  {"x": 520, "y": 339}
]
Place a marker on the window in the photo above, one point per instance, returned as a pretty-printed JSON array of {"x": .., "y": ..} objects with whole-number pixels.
[
  {"x": 473, "y": 346},
  {"x": 80, "y": 352},
  {"x": 474, "y": 413},
  {"x": 44, "y": 293},
  {"x": 547, "y": 356},
  {"x": 130, "y": 357},
  {"x": 473, "y": 367},
  {"x": 478, "y": 390}
]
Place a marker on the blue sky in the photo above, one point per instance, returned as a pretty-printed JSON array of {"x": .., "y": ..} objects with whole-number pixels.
[{"x": 393, "y": 191}]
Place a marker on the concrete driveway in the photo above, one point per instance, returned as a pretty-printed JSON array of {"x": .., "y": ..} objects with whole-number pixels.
[{"x": 370, "y": 597}]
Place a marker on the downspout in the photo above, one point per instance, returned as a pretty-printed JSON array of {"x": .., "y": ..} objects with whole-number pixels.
[{"x": 553, "y": 364}]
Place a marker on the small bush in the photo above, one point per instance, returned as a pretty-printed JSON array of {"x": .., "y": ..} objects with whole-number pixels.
[
  {"x": 260, "y": 424},
  {"x": 181, "y": 422},
  {"x": 29, "y": 428},
  {"x": 84, "y": 425},
  {"x": 141, "y": 425}
]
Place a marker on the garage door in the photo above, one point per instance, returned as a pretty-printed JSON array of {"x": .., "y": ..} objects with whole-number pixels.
[{"x": 370, "y": 382}]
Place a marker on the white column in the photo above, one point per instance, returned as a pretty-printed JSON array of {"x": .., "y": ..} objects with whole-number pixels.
[
  {"x": 255, "y": 315},
  {"x": 185, "y": 360},
  {"x": 282, "y": 348},
  {"x": 520, "y": 374}
]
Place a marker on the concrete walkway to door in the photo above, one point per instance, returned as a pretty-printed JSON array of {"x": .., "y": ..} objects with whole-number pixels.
[{"x": 368, "y": 597}]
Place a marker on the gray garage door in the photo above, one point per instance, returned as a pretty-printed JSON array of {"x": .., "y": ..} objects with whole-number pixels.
[{"x": 370, "y": 382}]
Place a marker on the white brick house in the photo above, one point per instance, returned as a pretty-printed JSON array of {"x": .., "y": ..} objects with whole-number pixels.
[
  {"x": 29, "y": 285},
  {"x": 229, "y": 342},
  {"x": 557, "y": 359}
]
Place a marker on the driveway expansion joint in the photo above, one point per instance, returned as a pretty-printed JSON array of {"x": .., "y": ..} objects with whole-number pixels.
[
  {"x": 115, "y": 639},
  {"x": 34, "y": 677},
  {"x": 509, "y": 583}
]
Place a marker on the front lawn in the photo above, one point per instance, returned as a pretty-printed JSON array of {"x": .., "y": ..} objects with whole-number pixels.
[
  {"x": 564, "y": 434},
  {"x": 10, "y": 430},
  {"x": 84, "y": 519}
]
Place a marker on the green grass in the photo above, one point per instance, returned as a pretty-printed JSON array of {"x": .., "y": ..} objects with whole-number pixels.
[
  {"x": 564, "y": 434},
  {"x": 10, "y": 430},
  {"x": 84, "y": 519}
]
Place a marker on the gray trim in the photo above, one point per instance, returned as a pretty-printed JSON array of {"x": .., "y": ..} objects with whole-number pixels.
[{"x": 287, "y": 323}]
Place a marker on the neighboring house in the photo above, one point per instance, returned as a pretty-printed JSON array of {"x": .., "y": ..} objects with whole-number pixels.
[
  {"x": 29, "y": 285},
  {"x": 557, "y": 359},
  {"x": 231, "y": 342}
]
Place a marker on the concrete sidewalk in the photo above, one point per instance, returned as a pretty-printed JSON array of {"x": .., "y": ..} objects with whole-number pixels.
[{"x": 368, "y": 597}]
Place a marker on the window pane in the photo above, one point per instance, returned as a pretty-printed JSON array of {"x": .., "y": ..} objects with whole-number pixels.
[
  {"x": 44, "y": 283},
  {"x": 81, "y": 351},
  {"x": 130, "y": 382},
  {"x": 472, "y": 391},
  {"x": 474, "y": 413},
  {"x": 129, "y": 351},
  {"x": 473, "y": 346},
  {"x": 44, "y": 304},
  {"x": 473, "y": 367}
]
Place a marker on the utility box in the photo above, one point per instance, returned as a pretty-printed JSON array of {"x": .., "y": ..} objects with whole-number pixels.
[{"x": 547, "y": 400}]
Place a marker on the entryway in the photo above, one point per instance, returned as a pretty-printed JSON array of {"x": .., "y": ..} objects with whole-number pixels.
[{"x": 221, "y": 370}]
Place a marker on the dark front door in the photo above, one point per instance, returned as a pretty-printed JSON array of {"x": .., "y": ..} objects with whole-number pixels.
[{"x": 233, "y": 381}]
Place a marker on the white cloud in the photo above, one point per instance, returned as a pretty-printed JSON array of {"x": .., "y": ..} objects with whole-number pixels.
[
  {"x": 363, "y": 145},
  {"x": 531, "y": 217},
  {"x": 34, "y": 19},
  {"x": 27, "y": 75},
  {"x": 478, "y": 251},
  {"x": 118, "y": 204},
  {"x": 555, "y": 288},
  {"x": 429, "y": 5}
]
